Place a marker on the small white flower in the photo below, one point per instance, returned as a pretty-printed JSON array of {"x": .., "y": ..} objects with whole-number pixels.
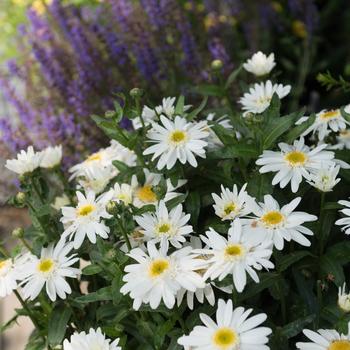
[
  {"x": 231, "y": 204},
  {"x": 119, "y": 193},
  {"x": 326, "y": 178},
  {"x": 237, "y": 255},
  {"x": 258, "y": 99},
  {"x": 294, "y": 162},
  {"x": 94, "y": 340},
  {"x": 60, "y": 201},
  {"x": 233, "y": 330},
  {"x": 345, "y": 221},
  {"x": 86, "y": 219},
  {"x": 326, "y": 121},
  {"x": 158, "y": 276},
  {"x": 97, "y": 180},
  {"x": 343, "y": 139},
  {"x": 51, "y": 157},
  {"x": 260, "y": 64},
  {"x": 50, "y": 270},
  {"x": 148, "y": 116},
  {"x": 280, "y": 224},
  {"x": 177, "y": 140},
  {"x": 104, "y": 158},
  {"x": 26, "y": 162},
  {"x": 163, "y": 225},
  {"x": 325, "y": 339},
  {"x": 344, "y": 299}
]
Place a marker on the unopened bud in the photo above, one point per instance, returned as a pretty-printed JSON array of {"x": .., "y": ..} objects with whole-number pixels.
[
  {"x": 136, "y": 92},
  {"x": 111, "y": 207},
  {"x": 216, "y": 65},
  {"x": 110, "y": 114},
  {"x": 20, "y": 197},
  {"x": 18, "y": 232},
  {"x": 111, "y": 254}
]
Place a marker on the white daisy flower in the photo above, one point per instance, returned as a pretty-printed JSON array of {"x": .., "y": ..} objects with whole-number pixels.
[
  {"x": 326, "y": 178},
  {"x": 86, "y": 219},
  {"x": 326, "y": 121},
  {"x": 233, "y": 330},
  {"x": 343, "y": 139},
  {"x": 148, "y": 115},
  {"x": 60, "y": 201},
  {"x": 119, "y": 193},
  {"x": 97, "y": 180},
  {"x": 50, "y": 270},
  {"x": 325, "y": 339},
  {"x": 345, "y": 221},
  {"x": 26, "y": 162},
  {"x": 137, "y": 240},
  {"x": 213, "y": 140},
  {"x": 94, "y": 340},
  {"x": 144, "y": 193},
  {"x": 231, "y": 204},
  {"x": 258, "y": 99},
  {"x": 177, "y": 140},
  {"x": 12, "y": 271},
  {"x": 239, "y": 254},
  {"x": 163, "y": 225},
  {"x": 158, "y": 276},
  {"x": 294, "y": 162},
  {"x": 344, "y": 299},
  {"x": 51, "y": 157},
  {"x": 260, "y": 64},
  {"x": 104, "y": 158},
  {"x": 280, "y": 224}
]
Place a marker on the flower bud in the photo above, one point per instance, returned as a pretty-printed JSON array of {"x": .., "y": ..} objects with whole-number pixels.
[
  {"x": 136, "y": 92},
  {"x": 20, "y": 197},
  {"x": 110, "y": 114},
  {"x": 216, "y": 65},
  {"x": 111, "y": 208},
  {"x": 18, "y": 232}
]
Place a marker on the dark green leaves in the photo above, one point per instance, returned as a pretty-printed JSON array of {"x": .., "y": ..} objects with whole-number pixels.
[
  {"x": 58, "y": 324},
  {"x": 103, "y": 294}
]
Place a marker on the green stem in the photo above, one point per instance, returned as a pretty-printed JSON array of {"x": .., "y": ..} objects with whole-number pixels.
[
  {"x": 45, "y": 305},
  {"x": 321, "y": 238},
  {"x": 125, "y": 234},
  {"x": 36, "y": 190},
  {"x": 26, "y": 244},
  {"x": 25, "y": 307}
]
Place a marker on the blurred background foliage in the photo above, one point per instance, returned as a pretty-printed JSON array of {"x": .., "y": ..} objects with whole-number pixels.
[{"x": 66, "y": 60}]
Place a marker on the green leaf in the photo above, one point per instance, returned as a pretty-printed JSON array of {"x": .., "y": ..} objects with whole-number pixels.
[
  {"x": 294, "y": 328},
  {"x": 35, "y": 341},
  {"x": 193, "y": 206},
  {"x": 91, "y": 270},
  {"x": 330, "y": 266},
  {"x": 260, "y": 185},
  {"x": 121, "y": 166},
  {"x": 208, "y": 90},
  {"x": 226, "y": 136},
  {"x": 180, "y": 104},
  {"x": 273, "y": 111},
  {"x": 236, "y": 151},
  {"x": 116, "y": 285},
  {"x": 344, "y": 114},
  {"x": 340, "y": 252},
  {"x": 232, "y": 77},
  {"x": 8, "y": 324},
  {"x": 102, "y": 294},
  {"x": 58, "y": 324},
  {"x": 299, "y": 129},
  {"x": 199, "y": 109},
  {"x": 290, "y": 259}
]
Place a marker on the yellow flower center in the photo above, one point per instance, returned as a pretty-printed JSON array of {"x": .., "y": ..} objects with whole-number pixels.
[
  {"x": 340, "y": 345},
  {"x": 46, "y": 265},
  {"x": 146, "y": 194},
  {"x": 229, "y": 208},
  {"x": 85, "y": 210},
  {"x": 94, "y": 156},
  {"x": 299, "y": 29},
  {"x": 233, "y": 251},
  {"x": 345, "y": 133},
  {"x": 330, "y": 114},
  {"x": 158, "y": 267},
  {"x": 272, "y": 218},
  {"x": 164, "y": 228},
  {"x": 3, "y": 263},
  {"x": 177, "y": 136},
  {"x": 224, "y": 338},
  {"x": 296, "y": 158}
]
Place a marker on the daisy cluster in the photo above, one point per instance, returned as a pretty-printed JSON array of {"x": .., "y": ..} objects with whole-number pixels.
[{"x": 183, "y": 232}]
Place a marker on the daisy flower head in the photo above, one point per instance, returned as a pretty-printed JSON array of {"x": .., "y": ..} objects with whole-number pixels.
[
  {"x": 97, "y": 180},
  {"x": 343, "y": 139},
  {"x": 26, "y": 161},
  {"x": 259, "y": 97},
  {"x": 177, "y": 140},
  {"x": 104, "y": 158},
  {"x": 60, "y": 201},
  {"x": 260, "y": 64},
  {"x": 51, "y": 157},
  {"x": 86, "y": 219},
  {"x": 280, "y": 224},
  {"x": 239, "y": 254},
  {"x": 94, "y": 340},
  {"x": 326, "y": 121},
  {"x": 231, "y": 204},
  {"x": 326, "y": 178},
  {"x": 325, "y": 339},
  {"x": 157, "y": 276},
  {"x": 165, "y": 226},
  {"x": 346, "y": 220},
  {"x": 344, "y": 299},
  {"x": 120, "y": 193},
  {"x": 233, "y": 330},
  {"x": 51, "y": 271},
  {"x": 294, "y": 162}
]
